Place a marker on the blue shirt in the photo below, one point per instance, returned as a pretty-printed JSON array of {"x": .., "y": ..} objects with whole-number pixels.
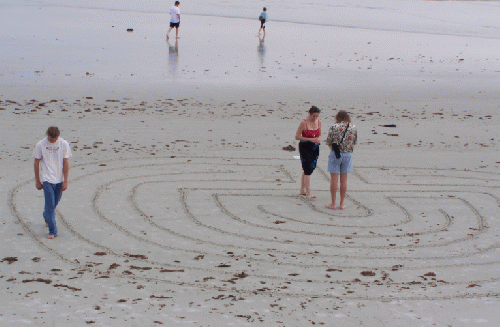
[{"x": 264, "y": 14}]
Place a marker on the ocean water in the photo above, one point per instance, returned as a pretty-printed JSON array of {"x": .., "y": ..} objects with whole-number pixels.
[
  {"x": 460, "y": 18},
  {"x": 82, "y": 46}
]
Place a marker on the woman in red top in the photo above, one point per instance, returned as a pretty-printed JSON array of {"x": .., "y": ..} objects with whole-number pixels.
[{"x": 309, "y": 135}]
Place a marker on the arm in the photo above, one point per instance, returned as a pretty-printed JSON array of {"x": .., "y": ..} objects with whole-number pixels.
[
  {"x": 299, "y": 137},
  {"x": 65, "y": 173},
  {"x": 39, "y": 185},
  {"x": 298, "y": 134},
  {"x": 318, "y": 139},
  {"x": 329, "y": 139}
]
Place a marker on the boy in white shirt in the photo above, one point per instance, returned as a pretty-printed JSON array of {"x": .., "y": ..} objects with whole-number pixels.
[
  {"x": 175, "y": 19},
  {"x": 51, "y": 173}
]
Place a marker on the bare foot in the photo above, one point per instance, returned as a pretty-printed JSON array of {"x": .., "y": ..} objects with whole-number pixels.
[
  {"x": 302, "y": 194},
  {"x": 331, "y": 206},
  {"x": 178, "y": 37},
  {"x": 342, "y": 207},
  {"x": 310, "y": 196},
  {"x": 50, "y": 237}
]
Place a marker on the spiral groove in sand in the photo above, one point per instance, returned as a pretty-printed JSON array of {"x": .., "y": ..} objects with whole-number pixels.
[{"x": 236, "y": 224}]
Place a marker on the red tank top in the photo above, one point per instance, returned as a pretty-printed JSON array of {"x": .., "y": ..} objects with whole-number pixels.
[{"x": 311, "y": 133}]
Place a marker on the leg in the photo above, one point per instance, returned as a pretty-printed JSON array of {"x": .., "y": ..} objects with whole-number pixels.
[
  {"x": 58, "y": 195},
  {"x": 262, "y": 27},
  {"x": 302, "y": 185},
  {"x": 334, "y": 179},
  {"x": 343, "y": 189},
  {"x": 307, "y": 158},
  {"x": 168, "y": 32},
  {"x": 177, "y": 32},
  {"x": 49, "y": 213},
  {"x": 307, "y": 186}
]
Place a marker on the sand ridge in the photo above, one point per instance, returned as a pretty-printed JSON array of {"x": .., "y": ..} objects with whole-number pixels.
[{"x": 208, "y": 224}]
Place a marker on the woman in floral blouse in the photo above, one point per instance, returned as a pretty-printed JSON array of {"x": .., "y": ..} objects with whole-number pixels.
[{"x": 343, "y": 165}]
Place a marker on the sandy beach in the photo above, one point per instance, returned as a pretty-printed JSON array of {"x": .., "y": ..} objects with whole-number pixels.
[{"x": 183, "y": 207}]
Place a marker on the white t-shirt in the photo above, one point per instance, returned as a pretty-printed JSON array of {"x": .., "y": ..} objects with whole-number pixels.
[
  {"x": 51, "y": 163},
  {"x": 174, "y": 11}
]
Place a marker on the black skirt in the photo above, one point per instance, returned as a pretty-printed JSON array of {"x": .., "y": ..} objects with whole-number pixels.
[{"x": 309, "y": 153}]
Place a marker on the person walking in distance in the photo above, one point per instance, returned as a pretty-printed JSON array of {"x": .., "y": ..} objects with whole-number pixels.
[
  {"x": 175, "y": 19},
  {"x": 51, "y": 173},
  {"x": 263, "y": 19}
]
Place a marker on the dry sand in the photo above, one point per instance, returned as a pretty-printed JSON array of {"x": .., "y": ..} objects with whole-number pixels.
[{"x": 182, "y": 207}]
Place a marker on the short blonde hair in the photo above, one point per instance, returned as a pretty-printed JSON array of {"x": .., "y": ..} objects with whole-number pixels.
[{"x": 342, "y": 116}]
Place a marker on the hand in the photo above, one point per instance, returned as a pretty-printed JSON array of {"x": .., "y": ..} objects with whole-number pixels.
[
  {"x": 39, "y": 186},
  {"x": 64, "y": 186},
  {"x": 317, "y": 140}
]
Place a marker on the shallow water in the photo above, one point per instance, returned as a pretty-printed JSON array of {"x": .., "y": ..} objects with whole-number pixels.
[
  {"x": 83, "y": 46},
  {"x": 461, "y": 18}
]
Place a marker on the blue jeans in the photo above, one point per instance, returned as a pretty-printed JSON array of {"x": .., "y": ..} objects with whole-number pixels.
[
  {"x": 52, "y": 193},
  {"x": 342, "y": 165}
]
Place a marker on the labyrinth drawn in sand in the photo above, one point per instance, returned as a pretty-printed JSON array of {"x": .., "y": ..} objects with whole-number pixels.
[{"x": 238, "y": 225}]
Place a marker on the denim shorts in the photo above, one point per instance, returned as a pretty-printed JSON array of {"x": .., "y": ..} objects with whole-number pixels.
[{"x": 342, "y": 165}]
